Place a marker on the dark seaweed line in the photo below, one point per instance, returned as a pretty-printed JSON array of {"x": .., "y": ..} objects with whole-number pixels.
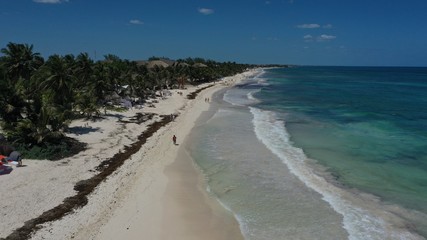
[
  {"x": 85, "y": 187},
  {"x": 194, "y": 94}
]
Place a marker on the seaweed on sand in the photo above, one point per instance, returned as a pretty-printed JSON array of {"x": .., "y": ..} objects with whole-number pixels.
[{"x": 85, "y": 187}]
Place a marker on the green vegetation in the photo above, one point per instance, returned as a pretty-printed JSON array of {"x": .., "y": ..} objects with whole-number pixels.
[{"x": 40, "y": 97}]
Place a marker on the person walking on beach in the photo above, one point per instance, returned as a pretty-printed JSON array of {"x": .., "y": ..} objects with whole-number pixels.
[{"x": 174, "y": 139}]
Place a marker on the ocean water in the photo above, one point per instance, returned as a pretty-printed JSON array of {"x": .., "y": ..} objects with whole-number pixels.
[{"x": 320, "y": 153}]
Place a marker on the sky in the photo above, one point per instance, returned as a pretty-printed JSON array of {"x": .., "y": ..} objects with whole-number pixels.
[{"x": 301, "y": 32}]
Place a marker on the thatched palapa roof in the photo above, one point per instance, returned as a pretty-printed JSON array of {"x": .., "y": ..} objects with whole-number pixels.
[
  {"x": 158, "y": 63},
  {"x": 199, "y": 65}
]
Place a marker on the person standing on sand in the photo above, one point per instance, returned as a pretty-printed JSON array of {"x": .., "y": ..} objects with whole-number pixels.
[
  {"x": 174, "y": 139},
  {"x": 15, "y": 156}
]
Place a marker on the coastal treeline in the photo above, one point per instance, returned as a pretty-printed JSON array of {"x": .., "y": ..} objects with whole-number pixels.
[{"x": 40, "y": 97}]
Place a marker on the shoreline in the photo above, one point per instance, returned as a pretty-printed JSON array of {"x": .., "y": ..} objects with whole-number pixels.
[
  {"x": 175, "y": 205},
  {"x": 38, "y": 188}
]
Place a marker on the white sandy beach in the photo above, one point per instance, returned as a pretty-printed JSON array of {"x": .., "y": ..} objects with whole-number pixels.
[{"x": 156, "y": 194}]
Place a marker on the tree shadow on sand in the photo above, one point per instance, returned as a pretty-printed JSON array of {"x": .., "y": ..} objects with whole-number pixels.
[
  {"x": 85, "y": 187},
  {"x": 82, "y": 130}
]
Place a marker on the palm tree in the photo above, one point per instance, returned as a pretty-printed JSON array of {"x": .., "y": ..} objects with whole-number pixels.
[
  {"x": 18, "y": 63},
  {"x": 44, "y": 123},
  {"x": 52, "y": 107},
  {"x": 87, "y": 103},
  {"x": 113, "y": 71},
  {"x": 20, "y": 60},
  {"x": 37, "y": 98},
  {"x": 83, "y": 69},
  {"x": 85, "y": 98},
  {"x": 58, "y": 79}
]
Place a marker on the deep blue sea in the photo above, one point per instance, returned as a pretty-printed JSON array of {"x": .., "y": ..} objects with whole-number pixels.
[{"x": 321, "y": 153}]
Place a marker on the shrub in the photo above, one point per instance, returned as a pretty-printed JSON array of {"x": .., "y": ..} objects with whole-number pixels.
[{"x": 52, "y": 151}]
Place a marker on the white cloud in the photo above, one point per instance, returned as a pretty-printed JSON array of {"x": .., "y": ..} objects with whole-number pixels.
[
  {"x": 327, "y": 26},
  {"x": 206, "y": 11},
  {"x": 308, "y": 38},
  {"x": 321, "y": 38},
  {"x": 50, "y": 1},
  {"x": 325, "y": 37},
  {"x": 136, "y": 22},
  {"x": 310, "y": 25}
]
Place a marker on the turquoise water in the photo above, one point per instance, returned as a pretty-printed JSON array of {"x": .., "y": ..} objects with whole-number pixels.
[
  {"x": 368, "y": 125},
  {"x": 320, "y": 153}
]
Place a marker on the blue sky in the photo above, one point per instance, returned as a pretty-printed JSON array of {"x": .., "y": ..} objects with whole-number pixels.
[{"x": 307, "y": 32}]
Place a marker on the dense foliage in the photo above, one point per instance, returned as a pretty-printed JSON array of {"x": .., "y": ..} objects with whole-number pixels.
[{"x": 40, "y": 96}]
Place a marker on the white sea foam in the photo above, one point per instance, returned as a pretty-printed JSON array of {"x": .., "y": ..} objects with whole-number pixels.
[
  {"x": 251, "y": 97},
  {"x": 242, "y": 224},
  {"x": 244, "y": 97},
  {"x": 359, "y": 221},
  {"x": 232, "y": 100},
  {"x": 241, "y": 97},
  {"x": 244, "y": 229},
  {"x": 262, "y": 81}
]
